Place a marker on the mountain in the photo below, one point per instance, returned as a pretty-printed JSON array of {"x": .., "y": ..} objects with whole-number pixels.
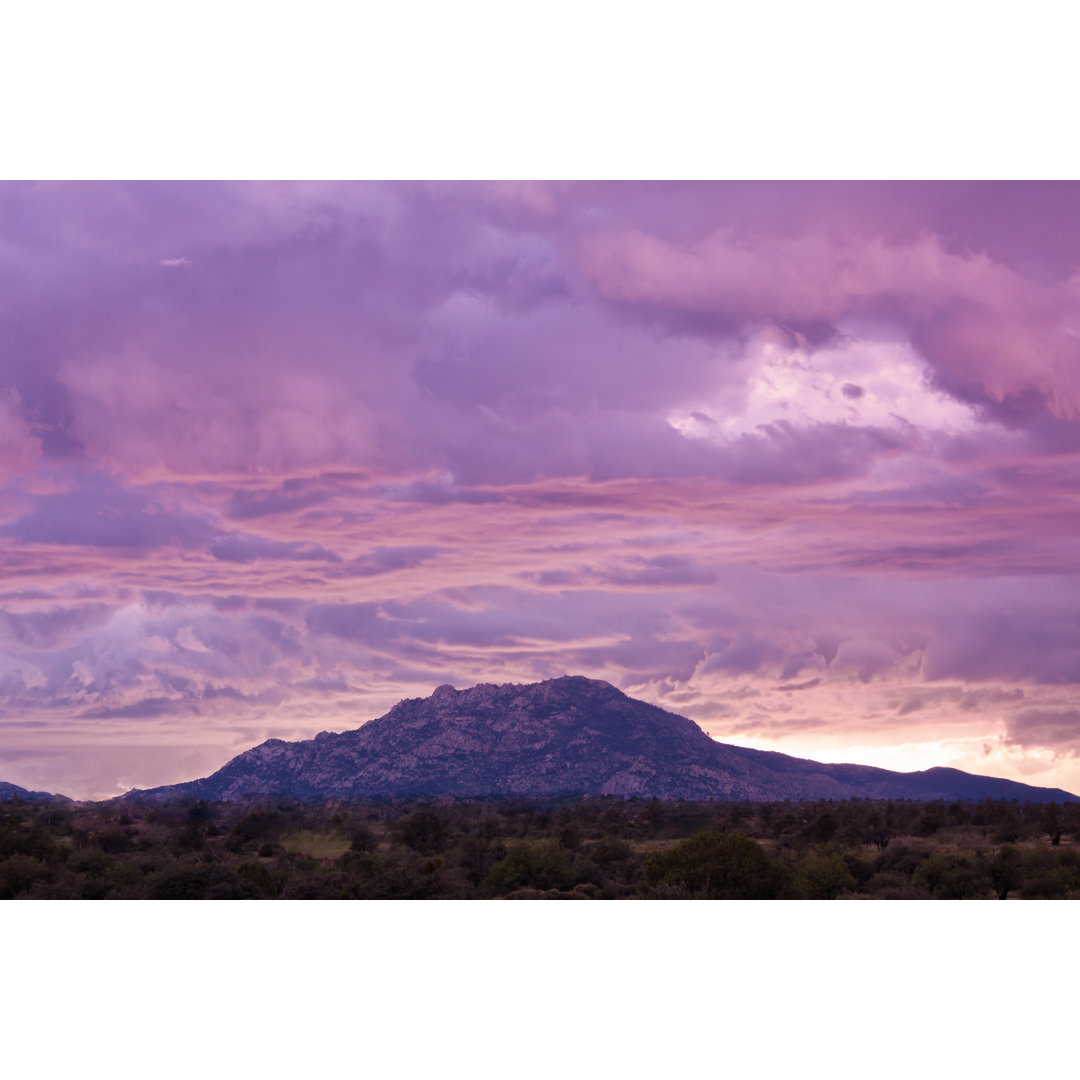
[
  {"x": 13, "y": 791},
  {"x": 567, "y": 736}
]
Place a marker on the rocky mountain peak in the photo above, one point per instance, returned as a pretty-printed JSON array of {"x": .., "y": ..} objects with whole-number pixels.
[{"x": 565, "y": 736}]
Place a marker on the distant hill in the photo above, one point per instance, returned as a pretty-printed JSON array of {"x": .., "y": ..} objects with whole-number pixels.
[
  {"x": 566, "y": 736},
  {"x": 13, "y": 791}
]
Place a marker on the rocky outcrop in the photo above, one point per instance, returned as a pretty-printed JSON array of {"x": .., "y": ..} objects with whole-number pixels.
[{"x": 567, "y": 736}]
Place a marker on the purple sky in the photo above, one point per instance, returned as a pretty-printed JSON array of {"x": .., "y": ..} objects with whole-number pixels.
[{"x": 799, "y": 461}]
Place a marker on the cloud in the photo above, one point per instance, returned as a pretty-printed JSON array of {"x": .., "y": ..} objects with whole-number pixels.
[
  {"x": 866, "y": 656},
  {"x": 100, "y": 513},
  {"x": 1055, "y": 729},
  {"x": 784, "y": 454},
  {"x": 353, "y": 622},
  {"x": 293, "y": 494},
  {"x": 50, "y": 628},
  {"x": 186, "y": 638},
  {"x": 1041, "y": 645},
  {"x": 744, "y": 654},
  {"x": 795, "y": 458},
  {"x": 995, "y": 337},
  {"x": 808, "y": 685},
  {"x": 245, "y": 548},
  {"x": 384, "y": 560},
  {"x": 147, "y": 709},
  {"x": 19, "y": 446},
  {"x": 659, "y": 570},
  {"x": 437, "y": 492}
]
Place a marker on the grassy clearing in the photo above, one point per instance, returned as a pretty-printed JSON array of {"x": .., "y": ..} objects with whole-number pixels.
[{"x": 316, "y": 845}]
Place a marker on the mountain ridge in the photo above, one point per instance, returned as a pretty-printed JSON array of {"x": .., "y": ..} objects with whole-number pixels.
[
  {"x": 560, "y": 737},
  {"x": 13, "y": 791}
]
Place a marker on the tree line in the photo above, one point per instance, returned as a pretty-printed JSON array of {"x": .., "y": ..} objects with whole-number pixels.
[{"x": 583, "y": 848}]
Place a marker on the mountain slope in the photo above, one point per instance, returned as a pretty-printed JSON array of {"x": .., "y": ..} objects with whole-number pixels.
[
  {"x": 13, "y": 791},
  {"x": 560, "y": 737}
]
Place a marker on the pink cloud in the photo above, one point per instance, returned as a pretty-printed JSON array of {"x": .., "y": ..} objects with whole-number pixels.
[
  {"x": 797, "y": 460},
  {"x": 994, "y": 336}
]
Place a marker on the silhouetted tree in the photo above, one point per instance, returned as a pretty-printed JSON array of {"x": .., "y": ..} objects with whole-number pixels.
[
  {"x": 1005, "y": 871},
  {"x": 1051, "y": 823}
]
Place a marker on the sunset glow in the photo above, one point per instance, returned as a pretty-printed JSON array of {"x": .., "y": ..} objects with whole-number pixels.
[{"x": 797, "y": 461}]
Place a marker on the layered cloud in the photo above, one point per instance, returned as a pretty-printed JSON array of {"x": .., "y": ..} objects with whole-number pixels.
[{"x": 798, "y": 461}]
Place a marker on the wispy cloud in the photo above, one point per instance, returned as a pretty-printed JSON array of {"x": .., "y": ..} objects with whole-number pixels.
[{"x": 796, "y": 460}]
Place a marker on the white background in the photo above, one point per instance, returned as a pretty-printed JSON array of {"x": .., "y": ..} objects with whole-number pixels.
[{"x": 496, "y": 90}]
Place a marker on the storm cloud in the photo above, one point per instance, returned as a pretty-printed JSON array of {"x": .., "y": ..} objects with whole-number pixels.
[{"x": 275, "y": 455}]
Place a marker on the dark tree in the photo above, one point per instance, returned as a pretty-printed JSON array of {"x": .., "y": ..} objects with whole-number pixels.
[
  {"x": 1006, "y": 871},
  {"x": 537, "y": 864},
  {"x": 1051, "y": 823},
  {"x": 423, "y": 830},
  {"x": 825, "y": 876},
  {"x": 716, "y": 866}
]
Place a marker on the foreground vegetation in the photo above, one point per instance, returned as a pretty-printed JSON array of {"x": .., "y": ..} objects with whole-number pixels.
[{"x": 597, "y": 848}]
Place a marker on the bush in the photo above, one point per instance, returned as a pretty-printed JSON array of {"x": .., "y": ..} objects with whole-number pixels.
[
  {"x": 824, "y": 876},
  {"x": 423, "y": 831},
  {"x": 716, "y": 866},
  {"x": 538, "y": 864}
]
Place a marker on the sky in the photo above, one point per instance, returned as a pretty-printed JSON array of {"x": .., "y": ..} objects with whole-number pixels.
[{"x": 799, "y": 461}]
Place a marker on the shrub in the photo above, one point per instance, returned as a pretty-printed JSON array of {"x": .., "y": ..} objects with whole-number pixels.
[
  {"x": 538, "y": 864},
  {"x": 716, "y": 866}
]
